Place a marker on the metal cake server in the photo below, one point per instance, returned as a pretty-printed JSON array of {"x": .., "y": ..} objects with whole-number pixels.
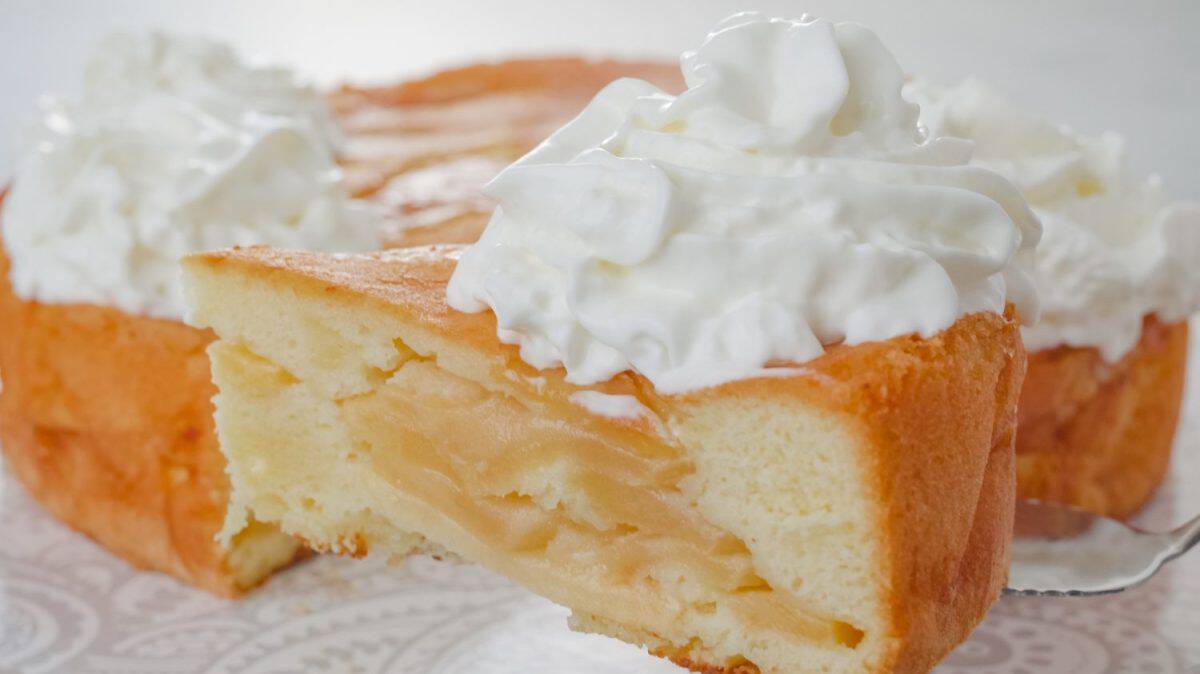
[{"x": 1060, "y": 551}]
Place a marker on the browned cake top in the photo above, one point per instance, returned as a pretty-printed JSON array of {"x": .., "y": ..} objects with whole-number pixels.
[{"x": 426, "y": 147}]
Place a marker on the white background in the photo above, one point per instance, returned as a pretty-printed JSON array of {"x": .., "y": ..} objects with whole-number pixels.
[{"x": 1095, "y": 64}]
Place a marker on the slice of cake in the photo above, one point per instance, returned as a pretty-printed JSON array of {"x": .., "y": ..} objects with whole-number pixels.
[
  {"x": 1117, "y": 278},
  {"x": 731, "y": 374},
  {"x": 851, "y": 515},
  {"x": 106, "y": 413}
]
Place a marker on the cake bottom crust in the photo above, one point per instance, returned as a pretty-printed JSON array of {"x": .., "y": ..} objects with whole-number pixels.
[{"x": 1098, "y": 435}]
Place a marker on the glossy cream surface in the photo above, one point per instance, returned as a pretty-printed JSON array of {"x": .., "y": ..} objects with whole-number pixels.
[
  {"x": 176, "y": 146},
  {"x": 1115, "y": 247},
  {"x": 786, "y": 201}
]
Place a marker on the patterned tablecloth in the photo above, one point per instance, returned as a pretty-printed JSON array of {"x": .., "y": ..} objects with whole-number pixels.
[{"x": 67, "y": 606}]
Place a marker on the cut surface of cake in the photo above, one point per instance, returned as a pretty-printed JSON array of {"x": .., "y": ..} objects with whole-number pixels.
[
  {"x": 731, "y": 374},
  {"x": 852, "y": 515},
  {"x": 1115, "y": 270},
  {"x": 106, "y": 413}
]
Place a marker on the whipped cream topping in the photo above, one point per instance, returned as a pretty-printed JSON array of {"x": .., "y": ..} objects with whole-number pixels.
[
  {"x": 1114, "y": 248},
  {"x": 786, "y": 201},
  {"x": 175, "y": 147}
]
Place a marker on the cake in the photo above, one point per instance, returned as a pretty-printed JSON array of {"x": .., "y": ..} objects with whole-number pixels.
[
  {"x": 106, "y": 413},
  {"x": 362, "y": 414},
  {"x": 1116, "y": 274},
  {"x": 732, "y": 375}
]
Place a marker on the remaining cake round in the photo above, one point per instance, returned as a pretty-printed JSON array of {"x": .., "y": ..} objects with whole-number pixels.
[
  {"x": 1116, "y": 274},
  {"x": 106, "y": 415},
  {"x": 1098, "y": 434}
]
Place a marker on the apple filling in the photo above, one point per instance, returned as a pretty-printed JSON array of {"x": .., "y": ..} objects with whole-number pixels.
[{"x": 588, "y": 512}]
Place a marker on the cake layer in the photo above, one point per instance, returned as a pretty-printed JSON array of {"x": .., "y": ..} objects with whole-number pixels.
[
  {"x": 848, "y": 515},
  {"x": 1098, "y": 434}
]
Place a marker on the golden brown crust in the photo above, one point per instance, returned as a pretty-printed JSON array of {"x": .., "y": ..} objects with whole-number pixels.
[
  {"x": 1098, "y": 435},
  {"x": 940, "y": 414},
  {"x": 106, "y": 417},
  {"x": 942, "y": 592}
]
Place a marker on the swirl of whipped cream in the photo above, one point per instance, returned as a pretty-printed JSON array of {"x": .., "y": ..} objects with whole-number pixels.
[
  {"x": 1114, "y": 249},
  {"x": 175, "y": 147},
  {"x": 784, "y": 202}
]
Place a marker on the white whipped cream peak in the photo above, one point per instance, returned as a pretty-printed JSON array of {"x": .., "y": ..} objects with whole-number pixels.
[
  {"x": 175, "y": 147},
  {"x": 1114, "y": 247},
  {"x": 786, "y": 201}
]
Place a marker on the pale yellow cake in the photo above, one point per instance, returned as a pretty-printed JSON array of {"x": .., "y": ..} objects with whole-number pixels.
[{"x": 851, "y": 514}]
